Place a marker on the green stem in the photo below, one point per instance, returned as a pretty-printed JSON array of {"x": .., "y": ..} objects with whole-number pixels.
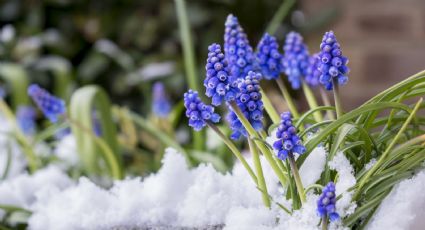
[
  {"x": 297, "y": 177},
  {"x": 324, "y": 223},
  {"x": 161, "y": 136},
  {"x": 271, "y": 111},
  {"x": 291, "y": 105},
  {"x": 257, "y": 164},
  {"x": 263, "y": 148},
  {"x": 235, "y": 151},
  {"x": 280, "y": 15},
  {"x": 387, "y": 150},
  {"x": 326, "y": 102},
  {"x": 109, "y": 156},
  {"x": 312, "y": 102},
  {"x": 20, "y": 137},
  {"x": 338, "y": 105},
  {"x": 189, "y": 61}
]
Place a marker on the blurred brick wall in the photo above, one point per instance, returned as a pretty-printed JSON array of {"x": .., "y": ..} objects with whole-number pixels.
[{"x": 384, "y": 40}]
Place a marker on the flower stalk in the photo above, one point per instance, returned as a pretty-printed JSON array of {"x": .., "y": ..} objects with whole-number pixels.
[
  {"x": 271, "y": 111},
  {"x": 312, "y": 102},
  {"x": 259, "y": 170},
  {"x": 337, "y": 98},
  {"x": 291, "y": 105},
  {"x": 297, "y": 178}
]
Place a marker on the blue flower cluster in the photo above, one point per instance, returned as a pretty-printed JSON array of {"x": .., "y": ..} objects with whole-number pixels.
[
  {"x": 295, "y": 59},
  {"x": 52, "y": 107},
  {"x": 333, "y": 65},
  {"x": 161, "y": 106},
  {"x": 249, "y": 102},
  {"x": 217, "y": 83},
  {"x": 237, "y": 50},
  {"x": 269, "y": 58},
  {"x": 197, "y": 112},
  {"x": 288, "y": 140},
  {"x": 326, "y": 202},
  {"x": 312, "y": 74},
  {"x": 25, "y": 116}
]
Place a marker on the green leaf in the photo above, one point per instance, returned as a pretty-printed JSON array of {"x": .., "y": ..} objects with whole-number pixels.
[
  {"x": 83, "y": 102},
  {"x": 16, "y": 76}
]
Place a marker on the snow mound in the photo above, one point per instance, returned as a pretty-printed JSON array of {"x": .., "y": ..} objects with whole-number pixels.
[
  {"x": 27, "y": 191},
  {"x": 403, "y": 208},
  {"x": 175, "y": 196},
  {"x": 66, "y": 151},
  {"x": 313, "y": 166},
  {"x": 346, "y": 180}
]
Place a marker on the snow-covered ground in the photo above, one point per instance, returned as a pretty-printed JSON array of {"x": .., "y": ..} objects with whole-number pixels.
[{"x": 198, "y": 197}]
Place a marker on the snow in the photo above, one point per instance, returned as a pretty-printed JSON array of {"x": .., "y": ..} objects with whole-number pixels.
[
  {"x": 26, "y": 191},
  {"x": 66, "y": 151},
  {"x": 346, "y": 180},
  {"x": 403, "y": 208},
  {"x": 313, "y": 166}
]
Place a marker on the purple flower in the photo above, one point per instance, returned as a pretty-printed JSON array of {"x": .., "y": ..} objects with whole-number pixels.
[
  {"x": 239, "y": 54},
  {"x": 217, "y": 83},
  {"x": 161, "y": 106},
  {"x": 312, "y": 73},
  {"x": 269, "y": 58},
  {"x": 51, "y": 106},
  {"x": 332, "y": 64},
  {"x": 197, "y": 112},
  {"x": 25, "y": 117},
  {"x": 295, "y": 59},
  {"x": 326, "y": 202},
  {"x": 288, "y": 139},
  {"x": 250, "y": 104}
]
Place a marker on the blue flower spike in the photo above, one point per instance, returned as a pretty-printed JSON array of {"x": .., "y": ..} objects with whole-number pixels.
[
  {"x": 333, "y": 65},
  {"x": 217, "y": 81},
  {"x": 161, "y": 105},
  {"x": 288, "y": 139},
  {"x": 313, "y": 73},
  {"x": 198, "y": 112},
  {"x": 25, "y": 117},
  {"x": 237, "y": 50},
  {"x": 269, "y": 58},
  {"x": 250, "y": 104},
  {"x": 295, "y": 59},
  {"x": 51, "y": 106},
  {"x": 326, "y": 203}
]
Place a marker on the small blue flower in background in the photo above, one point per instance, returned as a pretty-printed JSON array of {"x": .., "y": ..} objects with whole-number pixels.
[
  {"x": 51, "y": 106},
  {"x": 239, "y": 54},
  {"x": 295, "y": 59},
  {"x": 161, "y": 105},
  {"x": 326, "y": 202},
  {"x": 197, "y": 112},
  {"x": 288, "y": 139},
  {"x": 217, "y": 83},
  {"x": 333, "y": 64},
  {"x": 312, "y": 74},
  {"x": 25, "y": 116},
  {"x": 269, "y": 58},
  {"x": 249, "y": 102}
]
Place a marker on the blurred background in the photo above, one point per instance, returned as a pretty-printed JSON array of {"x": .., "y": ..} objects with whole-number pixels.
[{"x": 126, "y": 45}]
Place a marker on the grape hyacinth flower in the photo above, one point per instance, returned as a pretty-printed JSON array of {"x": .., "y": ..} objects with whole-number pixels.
[
  {"x": 333, "y": 65},
  {"x": 249, "y": 102},
  {"x": 217, "y": 83},
  {"x": 288, "y": 139},
  {"x": 51, "y": 106},
  {"x": 312, "y": 74},
  {"x": 326, "y": 203},
  {"x": 161, "y": 106},
  {"x": 269, "y": 58},
  {"x": 25, "y": 117},
  {"x": 237, "y": 50},
  {"x": 197, "y": 112},
  {"x": 295, "y": 59}
]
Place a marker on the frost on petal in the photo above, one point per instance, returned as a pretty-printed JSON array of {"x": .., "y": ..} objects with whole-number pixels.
[
  {"x": 345, "y": 181},
  {"x": 403, "y": 208}
]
